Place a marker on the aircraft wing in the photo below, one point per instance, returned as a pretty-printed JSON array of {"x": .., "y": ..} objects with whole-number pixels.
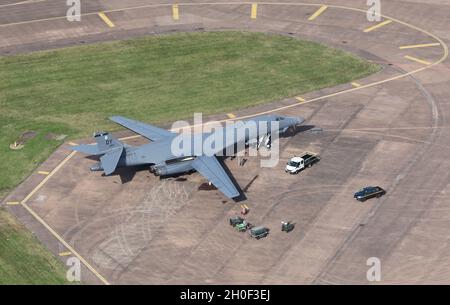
[
  {"x": 150, "y": 132},
  {"x": 210, "y": 168}
]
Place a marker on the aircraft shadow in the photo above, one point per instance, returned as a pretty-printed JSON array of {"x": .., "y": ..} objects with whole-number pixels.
[
  {"x": 298, "y": 129},
  {"x": 127, "y": 174}
]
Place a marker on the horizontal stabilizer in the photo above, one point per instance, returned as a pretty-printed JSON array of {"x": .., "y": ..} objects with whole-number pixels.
[
  {"x": 111, "y": 159},
  {"x": 105, "y": 142},
  {"x": 91, "y": 150}
]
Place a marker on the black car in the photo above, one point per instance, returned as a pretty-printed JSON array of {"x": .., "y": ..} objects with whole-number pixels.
[{"x": 369, "y": 192}]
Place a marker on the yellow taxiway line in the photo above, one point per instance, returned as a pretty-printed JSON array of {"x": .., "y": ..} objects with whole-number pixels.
[
  {"x": 318, "y": 12},
  {"x": 62, "y": 241},
  {"x": 105, "y": 18},
  {"x": 379, "y": 25},
  {"x": 13, "y": 203},
  {"x": 53, "y": 232},
  {"x": 421, "y": 61},
  {"x": 254, "y": 11},
  {"x": 40, "y": 185},
  {"x": 175, "y": 12},
  {"x": 43, "y": 172},
  {"x": 425, "y": 45}
]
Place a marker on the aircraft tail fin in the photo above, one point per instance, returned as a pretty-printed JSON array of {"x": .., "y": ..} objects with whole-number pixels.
[
  {"x": 106, "y": 142},
  {"x": 106, "y": 145}
]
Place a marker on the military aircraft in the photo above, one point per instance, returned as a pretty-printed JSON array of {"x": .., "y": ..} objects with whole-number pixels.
[{"x": 162, "y": 159}]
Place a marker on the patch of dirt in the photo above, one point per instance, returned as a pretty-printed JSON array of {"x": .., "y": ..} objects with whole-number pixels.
[
  {"x": 25, "y": 137},
  {"x": 56, "y": 137}
]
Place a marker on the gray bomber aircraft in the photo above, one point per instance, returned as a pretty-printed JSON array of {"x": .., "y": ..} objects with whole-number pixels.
[{"x": 162, "y": 161}]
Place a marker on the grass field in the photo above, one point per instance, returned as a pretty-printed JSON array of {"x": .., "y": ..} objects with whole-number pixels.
[
  {"x": 72, "y": 91},
  {"x": 23, "y": 259}
]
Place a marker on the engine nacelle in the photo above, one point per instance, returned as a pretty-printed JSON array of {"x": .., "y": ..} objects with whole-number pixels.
[
  {"x": 171, "y": 169},
  {"x": 96, "y": 167}
]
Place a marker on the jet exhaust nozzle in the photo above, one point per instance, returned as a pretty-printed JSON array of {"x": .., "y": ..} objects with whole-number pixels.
[{"x": 97, "y": 167}]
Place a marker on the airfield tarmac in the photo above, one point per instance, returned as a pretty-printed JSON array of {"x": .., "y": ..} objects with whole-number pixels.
[{"x": 137, "y": 229}]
